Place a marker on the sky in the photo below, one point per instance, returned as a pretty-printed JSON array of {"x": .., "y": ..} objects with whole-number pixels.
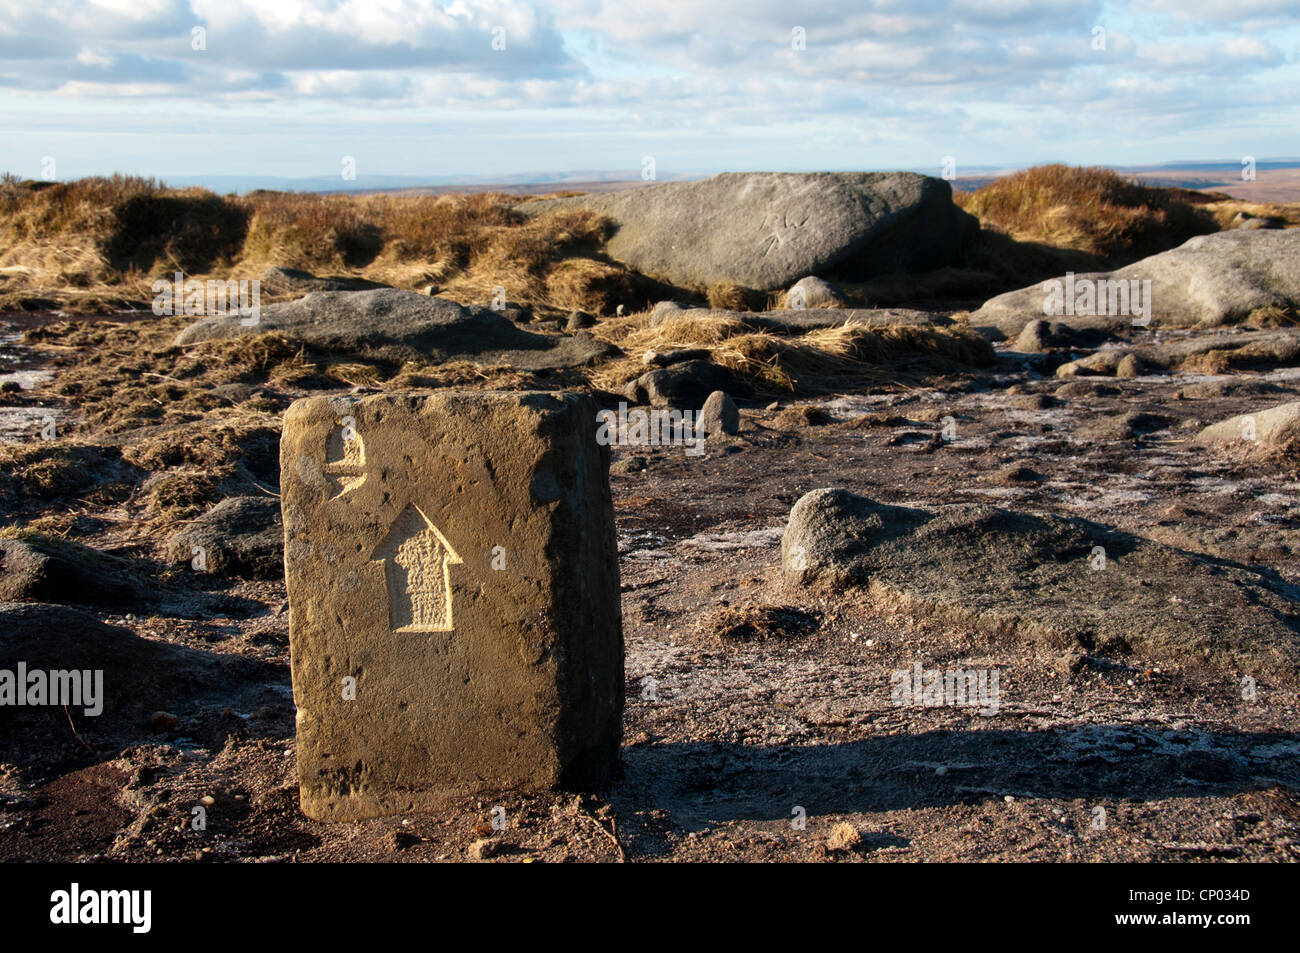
[{"x": 297, "y": 88}]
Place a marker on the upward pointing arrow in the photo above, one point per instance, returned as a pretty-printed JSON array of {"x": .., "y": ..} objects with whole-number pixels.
[{"x": 417, "y": 560}]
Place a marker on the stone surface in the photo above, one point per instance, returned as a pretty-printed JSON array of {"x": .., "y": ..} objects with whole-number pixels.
[
  {"x": 469, "y": 678},
  {"x": 404, "y": 326},
  {"x": 718, "y": 415},
  {"x": 1212, "y": 351},
  {"x": 1266, "y": 430},
  {"x": 241, "y": 536},
  {"x": 1041, "y": 335},
  {"x": 685, "y": 385},
  {"x": 43, "y": 569},
  {"x": 1017, "y": 575},
  {"x": 814, "y": 292},
  {"x": 1208, "y": 280},
  {"x": 766, "y": 230}
]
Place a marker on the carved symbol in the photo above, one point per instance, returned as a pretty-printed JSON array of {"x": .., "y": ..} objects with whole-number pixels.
[
  {"x": 345, "y": 458},
  {"x": 417, "y": 566}
]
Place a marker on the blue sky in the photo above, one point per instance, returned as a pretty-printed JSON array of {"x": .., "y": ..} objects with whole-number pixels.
[{"x": 414, "y": 88}]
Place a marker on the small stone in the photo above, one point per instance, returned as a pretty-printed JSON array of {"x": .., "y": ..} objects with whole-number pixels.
[
  {"x": 483, "y": 849},
  {"x": 1129, "y": 366},
  {"x": 207, "y": 800},
  {"x": 718, "y": 415}
]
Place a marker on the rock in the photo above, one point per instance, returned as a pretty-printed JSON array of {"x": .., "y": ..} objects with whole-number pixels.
[
  {"x": 1041, "y": 335},
  {"x": 1266, "y": 430},
  {"x": 396, "y": 325},
  {"x": 814, "y": 292},
  {"x": 42, "y": 569},
  {"x": 285, "y": 281},
  {"x": 718, "y": 415},
  {"x": 579, "y": 320},
  {"x": 1008, "y": 575},
  {"x": 766, "y": 230},
  {"x": 452, "y": 553},
  {"x": 1209, "y": 280},
  {"x": 1130, "y": 365},
  {"x": 483, "y": 849},
  {"x": 241, "y": 536},
  {"x": 1212, "y": 352},
  {"x": 685, "y": 386}
]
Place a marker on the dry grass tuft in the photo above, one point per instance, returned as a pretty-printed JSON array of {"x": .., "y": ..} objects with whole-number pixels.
[
  {"x": 820, "y": 361},
  {"x": 1090, "y": 210},
  {"x": 729, "y": 296}
]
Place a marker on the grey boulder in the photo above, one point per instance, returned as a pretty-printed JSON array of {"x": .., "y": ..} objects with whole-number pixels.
[
  {"x": 1208, "y": 280},
  {"x": 387, "y": 324},
  {"x": 766, "y": 230}
]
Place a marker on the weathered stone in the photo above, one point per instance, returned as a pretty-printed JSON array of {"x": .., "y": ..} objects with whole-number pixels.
[
  {"x": 394, "y": 325},
  {"x": 1265, "y": 430},
  {"x": 1212, "y": 351},
  {"x": 1130, "y": 365},
  {"x": 241, "y": 535},
  {"x": 453, "y": 554},
  {"x": 765, "y": 230},
  {"x": 43, "y": 569},
  {"x": 814, "y": 292},
  {"x": 1040, "y": 335},
  {"x": 1063, "y": 583},
  {"x": 718, "y": 415},
  {"x": 686, "y": 385},
  {"x": 1208, "y": 280}
]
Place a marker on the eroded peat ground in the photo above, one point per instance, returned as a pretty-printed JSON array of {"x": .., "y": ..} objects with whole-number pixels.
[{"x": 752, "y": 705}]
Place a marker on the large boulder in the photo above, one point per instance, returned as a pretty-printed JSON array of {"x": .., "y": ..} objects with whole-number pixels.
[
  {"x": 765, "y": 230},
  {"x": 1070, "y": 584},
  {"x": 1206, "y": 281},
  {"x": 388, "y": 324}
]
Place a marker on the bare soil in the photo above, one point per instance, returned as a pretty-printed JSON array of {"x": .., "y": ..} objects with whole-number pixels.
[{"x": 753, "y": 705}]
